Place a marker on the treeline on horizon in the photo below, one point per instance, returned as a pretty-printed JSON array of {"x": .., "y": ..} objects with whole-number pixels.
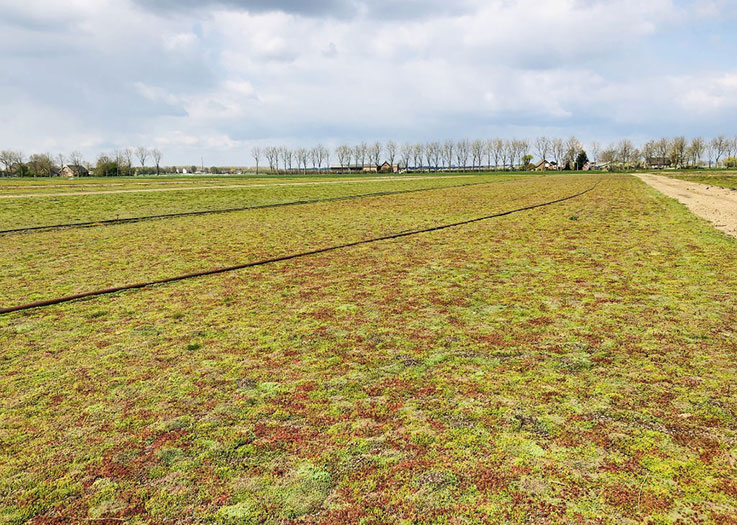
[{"x": 463, "y": 155}]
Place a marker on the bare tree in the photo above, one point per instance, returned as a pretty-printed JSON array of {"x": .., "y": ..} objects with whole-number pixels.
[
  {"x": 41, "y": 164},
  {"x": 272, "y": 157},
  {"x": 462, "y": 151},
  {"x": 542, "y": 147},
  {"x": 288, "y": 155},
  {"x": 515, "y": 152},
  {"x": 625, "y": 152},
  {"x": 636, "y": 157},
  {"x": 287, "y": 158},
  {"x": 719, "y": 146},
  {"x": 360, "y": 152},
  {"x": 433, "y": 154},
  {"x": 117, "y": 157},
  {"x": 429, "y": 154},
  {"x": 649, "y": 151},
  {"x": 301, "y": 154},
  {"x": 405, "y": 154},
  {"x": 75, "y": 158},
  {"x": 391, "y": 151},
  {"x": 374, "y": 153},
  {"x": 573, "y": 148},
  {"x": 315, "y": 156},
  {"x": 488, "y": 151},
  {"x": 608, "y": 155},
  {"x": 6, "y": 158},
  {"x": 156, "y": 157},
  {"x": 128, "y": 158},
  {"x": 662, "y": 148},
  {"x": 696, "y": 151},
  {"x": 446, "y": 151},
  {"x": 498, "y": 147},
  {"x": 418, "y": 151},
  {"x": 142, "y": 155},
  {"x": 325, "y": 157},
  {"x": 557, "y": 149},
  {"x": 594, "y": 150},
  {"x": 256, "y": 154},
  {"x": 11, "y": 160},
  {"x": 344, "y": 153},
  {"x": 320, "y": 155},
  {"x": 477, "y": 153},
  {"x": 710, "y": 151},
  {"x": 508, "y": 154},
  {"x": 436, "y": 155},
  {"x": 677, "y": 151},
  {"x": 523, "y": 150}
]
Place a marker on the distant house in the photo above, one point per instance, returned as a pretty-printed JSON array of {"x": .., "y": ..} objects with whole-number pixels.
[
  {"x": 387, "y": 168},
  {"x": 73, "y": 170},
  {"x": 657, "y": 163},
  {"x": 366, "y": 168},
  {"x": 546, "y": 166}
]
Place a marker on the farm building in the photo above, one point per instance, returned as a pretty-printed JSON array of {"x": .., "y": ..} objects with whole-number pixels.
[
  {"x": 367, "y": 168},
  {"x": 658, "y": 163},
  {"x": 73, "y": 170},
  {"x": 546, "y": 166}
]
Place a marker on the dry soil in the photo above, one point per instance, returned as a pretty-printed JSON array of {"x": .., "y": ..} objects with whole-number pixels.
[{"x": 715, "y": 204}]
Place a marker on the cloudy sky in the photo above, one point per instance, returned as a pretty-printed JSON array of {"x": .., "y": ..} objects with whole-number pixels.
[{"x": 199, "y": 78}]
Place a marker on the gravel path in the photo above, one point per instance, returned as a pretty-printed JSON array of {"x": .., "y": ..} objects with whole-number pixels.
[{"x": 716, "y": 205}]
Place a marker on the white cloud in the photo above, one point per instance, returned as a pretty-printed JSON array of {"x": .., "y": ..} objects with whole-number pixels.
[
  {"x": 234, "y": 72},
  {"x": 707, "y": 94}
]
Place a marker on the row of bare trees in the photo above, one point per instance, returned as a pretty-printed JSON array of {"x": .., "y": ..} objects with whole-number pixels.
[
  {"x": 676, "y": 152},
  {"x": 117, "y": 163},
  {"x": 316, "y": 158},
  {"x": 435, "y": 155},
  {"x": 498, "y": 153}
]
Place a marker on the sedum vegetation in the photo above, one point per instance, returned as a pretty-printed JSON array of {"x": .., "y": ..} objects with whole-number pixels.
[
  {"x": 27, "y": 204},
  {"x": 571, "y": 364}
]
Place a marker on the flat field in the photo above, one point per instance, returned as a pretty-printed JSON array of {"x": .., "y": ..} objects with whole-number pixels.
[
  {"x": 571, "y": 363},
  {"x": 41, "y": 202}
]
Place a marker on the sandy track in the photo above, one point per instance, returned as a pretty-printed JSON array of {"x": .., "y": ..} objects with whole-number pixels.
[
  {"x": 211, "y": 187},
  {"x": 716, "y": 205}
]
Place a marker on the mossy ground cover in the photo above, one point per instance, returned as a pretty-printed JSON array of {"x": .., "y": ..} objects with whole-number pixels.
[
  {"x": 22, "y": 212},
  {"x": 574, "y": 363},
  {"x": 48, "y": 264}
]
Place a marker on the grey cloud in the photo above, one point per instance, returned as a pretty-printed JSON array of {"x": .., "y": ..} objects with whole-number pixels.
[
  {"x": 15, "y": 18},
  {"x": 416, "y": 9},
  {"x": 336, "y": 8},
  {"x": 331, "y": 51},
  {"x": 393, "y": 10}
]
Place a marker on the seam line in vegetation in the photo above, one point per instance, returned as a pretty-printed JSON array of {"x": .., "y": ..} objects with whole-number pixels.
[
  {"x": 127, "y": 220},
  {"x": 108, "y": 291}
]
